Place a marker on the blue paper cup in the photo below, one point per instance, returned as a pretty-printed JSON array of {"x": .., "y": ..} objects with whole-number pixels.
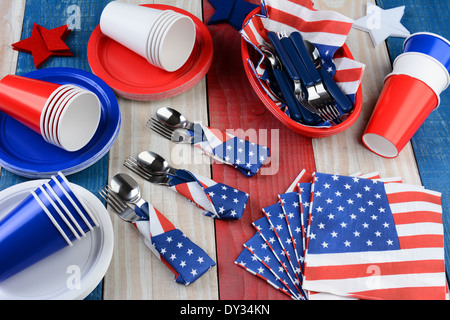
[
  {"x": 59, "y": 212},
  {"x": 71, "y": 203},
  {"x": 66, "y": 208},
  {"x": 29, "y": 233},
  {"x": 430, "y": 44}
]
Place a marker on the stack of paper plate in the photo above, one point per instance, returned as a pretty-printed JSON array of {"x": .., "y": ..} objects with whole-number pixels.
[{"x": 25, "y": 152}]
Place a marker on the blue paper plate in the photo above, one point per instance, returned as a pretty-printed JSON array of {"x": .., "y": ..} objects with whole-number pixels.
[{"x": 25, "y": 153}]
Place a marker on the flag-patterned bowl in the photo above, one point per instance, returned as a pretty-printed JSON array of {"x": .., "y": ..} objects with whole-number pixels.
[{"x": 277, "y": 15}]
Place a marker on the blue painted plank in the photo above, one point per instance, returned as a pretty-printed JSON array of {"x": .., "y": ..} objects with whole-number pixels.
[
  {"x": 83, "y": 16},
  {"x": 431, "y": 142}
]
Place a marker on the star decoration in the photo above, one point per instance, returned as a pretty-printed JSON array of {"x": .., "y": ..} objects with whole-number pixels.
[
  {"x": 232, "y": 12},
  {"x": 45, "y": 43},
  {"x": 382, "y": 24}
]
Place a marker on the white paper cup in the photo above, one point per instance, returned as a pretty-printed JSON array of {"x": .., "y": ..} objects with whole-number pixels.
[
  {"x": 129, "y": 24},
  {"x": 79, "y": 121},
  {"x": 157, "y": 26},
  {"x": 157, "y": 38},
  {"x": 51, "y": 103},
  {"x": 54, "y": 118},
  {"x": 51, "y": 114},
  {"x": 177, "y": 44},
  {"x": 163, "y": 37},
  {"x": 424, "y": 68}
]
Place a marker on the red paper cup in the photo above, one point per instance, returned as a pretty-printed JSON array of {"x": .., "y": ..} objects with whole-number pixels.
[
  {"x": 404, "y": 104},
  {"x": 25, "y": 99}
]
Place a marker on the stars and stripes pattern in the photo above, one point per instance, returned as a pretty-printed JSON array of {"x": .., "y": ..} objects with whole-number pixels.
[
  {"x": 247, "y": 157},
  {"x": 399, "y": 245},
  {"x": 278, "y": 223},
  {"x": 182, "y": 256},
  {"x": 290, "y": 204},
  {"x": 353, "y": 237},
  {"x": 251, "y": 263},
  {"x": 350, "y": 215},
  {"x": 328, "y": 30},
  {"x": 217, "y": 200},
  {"x": 263, "y": 255}
]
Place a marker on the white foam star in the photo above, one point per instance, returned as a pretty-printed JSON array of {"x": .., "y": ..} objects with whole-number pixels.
[{"x": 382, "y": 24}]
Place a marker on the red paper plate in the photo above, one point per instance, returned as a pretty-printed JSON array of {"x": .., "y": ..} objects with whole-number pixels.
[
  {"x": 312, "y": 132},
  {"x": 133, "y": 77}
]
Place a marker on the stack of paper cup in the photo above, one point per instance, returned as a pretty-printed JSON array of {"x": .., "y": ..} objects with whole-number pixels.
[
  {"x": 164, "y": 37},
  {"x": 65, "y": 115},
  {"x": 48, "y": 220},
  {"x": 410, "y": 93}
]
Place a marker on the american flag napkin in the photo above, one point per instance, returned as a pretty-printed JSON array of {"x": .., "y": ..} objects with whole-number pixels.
[
  {"x": 328, "y": 30},
  {"x": 290, "y": 204},
  {"x": 373, "y": 240},
  {"x": 247, "y": 157},
  {"x": 183, "y": 257},
  {"x": 263, "y": 253},
  {"x": 357, "y": 237},
  {"x": 218, "y": 200},
  {"x": 257, "y": 267},
  {"x": 279, "y": 225}
]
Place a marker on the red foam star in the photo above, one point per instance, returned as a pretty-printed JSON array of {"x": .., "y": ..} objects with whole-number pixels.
[
  {"x": 54, "y": 38},
  {"x": 45, "y": 43}
]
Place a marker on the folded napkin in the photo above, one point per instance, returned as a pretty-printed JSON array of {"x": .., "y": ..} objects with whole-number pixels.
[
  {"x": 278, "y": 223},
  {"x": 375, "y": 240},
  {"x": 263, "y": 253},
  {"x": 355, "y": 237},
  {"x": 256, "y": 266},
  {"x": 247, "y": 157},
  {"x": 290, "y": 204},
  {"x": 216, "y": 199},
  {"x": 327, "y": 30},
  {"x": 183, "y": 257}
]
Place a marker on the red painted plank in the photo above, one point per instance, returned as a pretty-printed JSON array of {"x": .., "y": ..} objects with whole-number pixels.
[{"x": 234, "y": 105}]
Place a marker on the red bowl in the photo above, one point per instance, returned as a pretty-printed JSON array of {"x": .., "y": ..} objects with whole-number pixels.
[{"x": 313, "y": 132}]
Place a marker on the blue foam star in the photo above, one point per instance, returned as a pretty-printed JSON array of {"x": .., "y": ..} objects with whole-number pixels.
[{"x": 232, "y": 12}]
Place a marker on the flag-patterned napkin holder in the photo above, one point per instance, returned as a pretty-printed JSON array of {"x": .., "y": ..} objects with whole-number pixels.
[
  {"x": 247, "y": 157},
  {"x": 350, "y": 237},
  {"x": 182, "y": 256},
  {"x": 216, "y": 199}
]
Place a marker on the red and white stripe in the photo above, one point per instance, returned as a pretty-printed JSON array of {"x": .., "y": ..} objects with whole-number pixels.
[
  {"x": 264, "y": 278},
  {"x": 348, "y": 73},
  {"x": 416, "y": 271},
  {"x": 195, "y": 191},
  {"x": 213, "y": 139},
  {"x": 156, "y": 225}
]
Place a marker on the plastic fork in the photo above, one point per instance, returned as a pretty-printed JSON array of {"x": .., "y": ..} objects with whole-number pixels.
[
  {"x": 124, "y": 211},
  {"x": 321, "y": 100},
  {"x": 284, "y": 72}
]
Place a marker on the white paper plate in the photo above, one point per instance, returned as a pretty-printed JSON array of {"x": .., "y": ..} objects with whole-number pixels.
[{"x": 71, "y": 273}]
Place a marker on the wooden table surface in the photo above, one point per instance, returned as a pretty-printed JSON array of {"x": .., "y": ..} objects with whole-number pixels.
[{"x": 225, "y": 100}]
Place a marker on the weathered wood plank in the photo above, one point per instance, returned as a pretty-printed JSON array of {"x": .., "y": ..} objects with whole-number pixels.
[
  {"x": 431, "y": 143},
  {"x": 135, "y": 273},
  {"x": 11, "y": 20},
  {"x": 233, "y": 105},
  {"x": 345, "y": 153},
  {"x": 51, "y": 14}
]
